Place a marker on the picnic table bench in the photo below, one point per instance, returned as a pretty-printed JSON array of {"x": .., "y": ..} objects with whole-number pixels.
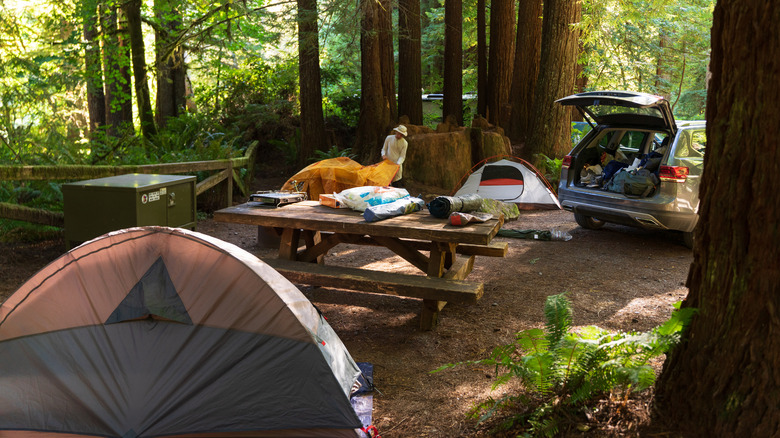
[{"x": 444, "y": 253}]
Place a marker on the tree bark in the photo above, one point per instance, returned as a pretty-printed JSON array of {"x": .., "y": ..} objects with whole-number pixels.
[
  {"x": 453, "y": 60},
  {"x": 580, "y": 80},
  {"x": 96, "y": 103},
  {"x": 125, "y": 73},
  {"x": 723, "y": 379},
  {"x": 551, "y": 126},
  {"x": 374, "y": 123},
  {"x": 528, "y": 48},
  {"x": 171, "y": 71},
  {"x": 312, "y": 119},
  {"x": 387, "y": 59},
  {"x": 502, "y": 48},
  {"x": 482, "y": 59},
  {"x": 132, "y": 9},
  {"x": 409, "y": 61}
]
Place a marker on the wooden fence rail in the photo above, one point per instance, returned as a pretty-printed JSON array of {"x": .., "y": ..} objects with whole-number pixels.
[{"x": 228, "y": 171}]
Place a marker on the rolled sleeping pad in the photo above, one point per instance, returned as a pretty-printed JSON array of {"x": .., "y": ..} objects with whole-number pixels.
[{"x": 443, "y": 206}]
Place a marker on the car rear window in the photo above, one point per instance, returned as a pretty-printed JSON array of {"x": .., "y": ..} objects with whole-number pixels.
[
  {"x": 614, "y": 110},
  {"x": 689, "y": 150}
]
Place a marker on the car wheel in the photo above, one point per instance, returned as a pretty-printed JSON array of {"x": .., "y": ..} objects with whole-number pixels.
[
  {"x": 588, "y": 222},
  {"x": 687, "y": 238}
]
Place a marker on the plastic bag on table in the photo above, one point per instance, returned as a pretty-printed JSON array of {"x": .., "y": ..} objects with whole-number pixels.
[
  {"x": 392, "y": 209},
  {"x": 360, "y": 198},
  {"x": 461, "y": 219}
]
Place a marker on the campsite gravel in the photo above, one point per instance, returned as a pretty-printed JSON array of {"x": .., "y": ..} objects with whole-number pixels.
[{"x": 618, "y": 278}]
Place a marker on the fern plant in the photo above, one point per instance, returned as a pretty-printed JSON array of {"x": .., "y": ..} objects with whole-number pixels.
[
  {"x": 563, "y": 370},
  {"x": 333, "y": 152},
  {"x": 551, "y": 168}
]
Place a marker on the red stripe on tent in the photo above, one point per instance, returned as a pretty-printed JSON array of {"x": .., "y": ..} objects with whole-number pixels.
[{"x": 501, "y": 182}]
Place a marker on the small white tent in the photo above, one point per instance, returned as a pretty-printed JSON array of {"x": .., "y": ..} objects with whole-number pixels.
[{"x": 511, "y": 180}]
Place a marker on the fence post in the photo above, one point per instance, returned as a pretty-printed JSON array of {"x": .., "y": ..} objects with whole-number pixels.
[{"x": 229, "y": 185}]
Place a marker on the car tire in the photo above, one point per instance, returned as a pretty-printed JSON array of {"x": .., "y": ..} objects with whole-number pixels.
[
  {"x": 687, "y": 239},
  {"x": 588, "y": 222}
]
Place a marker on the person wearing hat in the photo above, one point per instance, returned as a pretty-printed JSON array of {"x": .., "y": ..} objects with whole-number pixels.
[{"x": 394, "y": 150}]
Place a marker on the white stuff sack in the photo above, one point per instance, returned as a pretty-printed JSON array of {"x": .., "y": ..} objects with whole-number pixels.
[{"x": 360, "y": 198}]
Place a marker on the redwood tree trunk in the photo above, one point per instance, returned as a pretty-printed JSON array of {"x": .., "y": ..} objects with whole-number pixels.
[
  {"x": 551, "y": 126},
  {"x": 482, "y": 59},
  {"x": 387, "y": 59},
  {"x": 409, "y": 61},
  {"x": 528, "y": 48},
  {"x": 453, "y": 60},
  {"x": 723, "y": 380},
  {"x": 96, "y": 104},
  {"x": 132, "y": 10},
  {"x": 125, "y": 86},
  {"x": 374, "y": 123},
  {"x": 502, "y": 48},
  {"x": 312, "y": 119}
]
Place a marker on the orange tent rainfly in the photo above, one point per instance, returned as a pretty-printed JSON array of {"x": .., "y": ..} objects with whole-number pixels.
[
  {"x": 336, "y": 174},
  {"x": 168, "y": 333}
]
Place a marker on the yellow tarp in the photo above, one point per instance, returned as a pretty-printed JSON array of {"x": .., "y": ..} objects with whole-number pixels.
[{"x": 336, "y": 174}]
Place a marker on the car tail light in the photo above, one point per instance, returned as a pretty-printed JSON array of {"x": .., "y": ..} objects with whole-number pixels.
[
  {"x": 566, "y": 161},
  {"x": 673, "y": 173}
]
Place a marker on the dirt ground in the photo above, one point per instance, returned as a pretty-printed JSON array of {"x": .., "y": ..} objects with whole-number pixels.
[{"x": 618, "y": 278}]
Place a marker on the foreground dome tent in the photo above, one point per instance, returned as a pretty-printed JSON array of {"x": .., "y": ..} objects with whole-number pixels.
[{"x": 167, "y": 332}]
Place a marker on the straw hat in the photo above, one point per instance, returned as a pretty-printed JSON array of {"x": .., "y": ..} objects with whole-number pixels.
[{"x": 401, "y": 129}]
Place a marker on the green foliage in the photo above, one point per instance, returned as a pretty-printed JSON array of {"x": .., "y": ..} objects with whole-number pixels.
[
  {"x": 33, "y": 194},
  {"x": 288, "y": 148},
  {"x": 196, "y": 137},
  {"x": 660, "y": 47},
  {"x": 578, "y": 131},
  {"x": 343, "y": 103},
  {"x": 550, "y": 168},
  {"x": 562, "y": 371},
  {"x": 259, "y": 83},
  {"x": 17, "y": 231},
  {"x": 333, "y": 152}
]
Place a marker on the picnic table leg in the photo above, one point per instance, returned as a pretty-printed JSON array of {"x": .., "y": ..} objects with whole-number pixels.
[
  {"x": 429, "y": 316},
  {"x": 312, "y": 238},
  {"x": 288, "y": 246},
  {"x": 441, "y": 258}
]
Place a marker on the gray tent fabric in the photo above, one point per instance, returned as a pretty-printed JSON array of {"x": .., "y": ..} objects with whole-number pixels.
[
  {"x": 153, "y": 295},
  {"x": 96, "y": 344}
]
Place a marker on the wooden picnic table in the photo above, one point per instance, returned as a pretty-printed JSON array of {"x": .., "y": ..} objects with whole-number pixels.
[{"x": 445, "y": 253}]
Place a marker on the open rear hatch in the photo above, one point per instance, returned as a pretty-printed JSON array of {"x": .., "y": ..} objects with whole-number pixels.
[{"x": 622, "y": 108}]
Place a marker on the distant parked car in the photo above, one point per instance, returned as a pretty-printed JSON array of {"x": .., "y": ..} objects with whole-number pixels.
[{"x": 660, "y": 160}]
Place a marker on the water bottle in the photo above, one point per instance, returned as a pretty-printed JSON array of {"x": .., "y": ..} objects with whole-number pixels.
[{"x": 558, "y": 234}]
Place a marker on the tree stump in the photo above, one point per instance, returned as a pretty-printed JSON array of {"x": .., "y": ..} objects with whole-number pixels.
[{"x": 441, "y": 159}]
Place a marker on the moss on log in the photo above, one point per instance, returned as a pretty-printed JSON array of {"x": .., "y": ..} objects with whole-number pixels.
[{"x": 33, "y": 215}]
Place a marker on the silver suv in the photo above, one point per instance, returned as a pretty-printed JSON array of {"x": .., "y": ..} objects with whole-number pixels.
[{"x": 634, "y": 133}]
